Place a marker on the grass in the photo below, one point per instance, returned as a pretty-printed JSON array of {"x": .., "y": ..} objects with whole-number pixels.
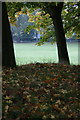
[
  {"x": 41, "y": 91},
  {"x": 27, "y": 53}
]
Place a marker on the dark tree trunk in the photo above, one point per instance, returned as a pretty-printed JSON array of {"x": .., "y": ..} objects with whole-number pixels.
[
  {"x": 8, "y": 58},
  {"x": 60, "y": 39},
  {"x": 55, "y": 13}
]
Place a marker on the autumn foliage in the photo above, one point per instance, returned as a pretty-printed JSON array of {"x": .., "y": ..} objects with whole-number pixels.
[{"x": 41, "y": 91}]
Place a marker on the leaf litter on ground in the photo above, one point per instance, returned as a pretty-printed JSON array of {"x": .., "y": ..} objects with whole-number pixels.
[{"x": 41, "y": 91}]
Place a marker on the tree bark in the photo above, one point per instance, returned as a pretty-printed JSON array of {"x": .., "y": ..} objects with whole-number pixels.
[
  {"x": 55, "y": 13},
  {"x": 60, "y": 39},
  {"x": 8, "y": 58}
]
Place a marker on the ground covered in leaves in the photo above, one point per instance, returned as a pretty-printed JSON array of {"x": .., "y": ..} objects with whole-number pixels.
[{"x": 41, "y": 92}]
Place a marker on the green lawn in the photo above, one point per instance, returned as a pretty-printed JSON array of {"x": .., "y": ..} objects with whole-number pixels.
[
  {"x": 30, "y": 53},
  {"x": 41, "y": 92}
]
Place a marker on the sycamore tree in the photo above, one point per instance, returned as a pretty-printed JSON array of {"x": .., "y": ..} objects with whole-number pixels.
[
  {"x": 56, "y": 17},
  {"x": 55, "y": 14},
  {"x": 54, "y": 10},
  {"x": 71, "y": 24}
]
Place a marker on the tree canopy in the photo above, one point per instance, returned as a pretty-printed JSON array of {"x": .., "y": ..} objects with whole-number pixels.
[
  {"x": 41, "y": 19},
  {"x": 71, "y": 14}
]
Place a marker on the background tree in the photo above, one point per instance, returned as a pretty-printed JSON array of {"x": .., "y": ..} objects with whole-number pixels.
[
  {"x": 8, "y": 58},
  {"x": 18, "y": 29}
]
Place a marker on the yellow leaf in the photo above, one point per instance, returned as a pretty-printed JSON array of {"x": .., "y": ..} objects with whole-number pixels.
[
  {"x": 47, "y": 15},
  {"x": 52, "y": 116},
  {"x": 20, "y": 12},
  {"x": 63, "y": 91},
  {"x": 6, "y": 108},
  {"x": 7, "y": 97},
  {"x": 16, "y": 16},
  {"x": 10, "y": 101},
  {"x": 44, "y": 117},
  {"x": 58, "y": 102}
]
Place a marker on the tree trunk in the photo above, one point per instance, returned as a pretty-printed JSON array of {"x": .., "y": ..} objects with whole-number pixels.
[
  {"x": 60, "y": 39},
  {"x": 8, "y": 58},
  {"x": 0, "y": 36},
  {"x": 55, "y": 13}
]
